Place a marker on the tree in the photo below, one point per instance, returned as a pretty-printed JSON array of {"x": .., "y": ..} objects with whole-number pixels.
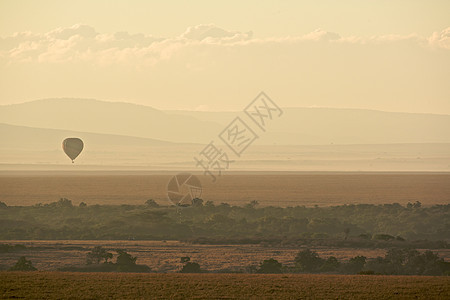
[
  {"x": 355, "y": 265},
  {"x": 82, "y": 204},
  {"x": 151, "y": 203},
  {"x": 270, "y": 266},
  {"x": 98, "y": 254},
  {"x": 308, "y": 261},
  {"x": 127, "y": 263},
  {"x": 330, "y": 265},
  {"x": 191, "y": 267},
  {"x": 197, "y": 202},
  {"x": 410, "y": 262},
  {"x": 125, "y": 259},
  {"x": 23, "y": 265},
  {"x": 64, "y": 202},
  {"x": 209, "y": 203},
  {"x": 3, "y": 205}
]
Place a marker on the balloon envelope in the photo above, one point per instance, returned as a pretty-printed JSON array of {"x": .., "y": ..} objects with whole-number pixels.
[{"x": 72, "y": 147}]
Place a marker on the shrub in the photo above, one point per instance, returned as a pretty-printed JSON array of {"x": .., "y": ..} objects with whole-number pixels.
[
  {"x": 151, "y": 203},
  {"x": 98, "y": 254},
  {"x": 308, "y": 261},
  {"x": 191, "y": 267},
  {"x": 270, "y": 266},
  {"x": 330, "y": 265},
  {"x": 23, "y": 265},
  {"x": 355, "y": 265}
]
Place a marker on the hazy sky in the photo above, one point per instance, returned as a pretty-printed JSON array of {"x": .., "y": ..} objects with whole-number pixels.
[{"x": 387, "y": 55}]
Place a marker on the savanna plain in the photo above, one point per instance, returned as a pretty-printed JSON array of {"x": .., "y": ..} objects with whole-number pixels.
[
  {"x": 224, "y": 256},
  {"x": 219, "y": 286}
]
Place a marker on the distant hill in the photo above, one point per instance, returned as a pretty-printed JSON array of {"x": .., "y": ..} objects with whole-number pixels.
[
  {"x": 26, "y": 148},
  {"x": 319, "y": 126},
  {"x": 297, "y": 126},
  {"x": 25, "y": 145},
  {"x": 107, "y": 117},
  {"x": 22, "y": 137}
]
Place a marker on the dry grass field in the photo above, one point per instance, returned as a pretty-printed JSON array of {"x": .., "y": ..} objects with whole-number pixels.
[
  {"x": 165, "y": 256},
  {"x": 323, "y": 189},
  {"x": 54, "y": 285}
]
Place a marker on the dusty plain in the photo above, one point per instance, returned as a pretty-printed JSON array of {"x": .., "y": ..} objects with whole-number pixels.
[
  {"x": 56, "y": 285},
  {"x": 277, "y": 189}
]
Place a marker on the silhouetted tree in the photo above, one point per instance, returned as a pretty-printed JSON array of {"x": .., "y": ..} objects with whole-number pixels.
[
  {"x": 308, "y": 261},
  {"x": 270, "y": 266},
  {"x": 355, "y": 265},
  {"x": 197, "y": 202},
  {"x": 151, "y": 203},
  {"x": 209, "y": 203},
  {"x": 82, "y": 204},
  {"x": 63, "y": 202},
  {"x": 417, "y": 204},
  {"x": 98, "y": 254},
  {"x": 125, "y": 259},
  {"x": 3, "y": 205},
  {"x": 330, "y": 265},
  {"x": 191, "y": 267},
  {"x": 410, "y": 262},
  {"x": 23, "y": 265}
]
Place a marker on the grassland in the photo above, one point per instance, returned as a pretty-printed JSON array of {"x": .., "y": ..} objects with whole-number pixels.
[
  {"x": 54, "y": 285},
  {"x": 165, "y": 256},
  {"x": 323, "y": 189}
]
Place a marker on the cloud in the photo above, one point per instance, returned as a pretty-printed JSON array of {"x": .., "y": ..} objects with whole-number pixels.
[
  {"x": 82, "y": 43},
  {"x": 441, "y": 39},
  {"x": 203, "y": 31},
  {"x": 82, "y": 30},
  {"x": 322, "y": 35}
]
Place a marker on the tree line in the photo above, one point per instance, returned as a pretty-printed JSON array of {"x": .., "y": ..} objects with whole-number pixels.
[
  {"x": 395, "y": 262},
  {"x": 361, "y": 225}
]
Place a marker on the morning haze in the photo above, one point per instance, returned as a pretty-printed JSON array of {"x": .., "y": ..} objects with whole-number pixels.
[{"x": 224, "y": 149}]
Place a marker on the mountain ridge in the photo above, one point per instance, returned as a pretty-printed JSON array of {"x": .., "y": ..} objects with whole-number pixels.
[
  {"x": 215, "y": 111},
  {"x": 297, "y": 126}
]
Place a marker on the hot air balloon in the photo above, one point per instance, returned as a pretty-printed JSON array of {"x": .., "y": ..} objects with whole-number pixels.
[{"x": 72, "y": 147}]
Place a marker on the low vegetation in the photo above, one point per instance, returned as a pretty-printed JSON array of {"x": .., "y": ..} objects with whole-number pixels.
[
  {"x": 395, "y": 262},
  {"x": 23, "y": 265},
  {"x": 361, "y": 225},
  {"x": 58, "y": 285},
  {"x": 97, "y": 261}
]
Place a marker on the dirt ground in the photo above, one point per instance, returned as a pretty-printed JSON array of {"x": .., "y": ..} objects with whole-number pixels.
[
  {"x": 309, "y": 189},
  {"x": 58, "y": 285}
]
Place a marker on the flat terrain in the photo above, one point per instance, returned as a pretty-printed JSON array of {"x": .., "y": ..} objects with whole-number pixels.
[
  {"x": 54, "y": 285},
  {"x": 164, "y": 256},
  {"x": 323, "y": 189}
]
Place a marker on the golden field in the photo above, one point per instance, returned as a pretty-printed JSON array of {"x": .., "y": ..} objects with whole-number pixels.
[
  {"x": 55, "y": 285},
  {"x": 323, "y": 189},
  {"x": 164, "y": 256}
]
